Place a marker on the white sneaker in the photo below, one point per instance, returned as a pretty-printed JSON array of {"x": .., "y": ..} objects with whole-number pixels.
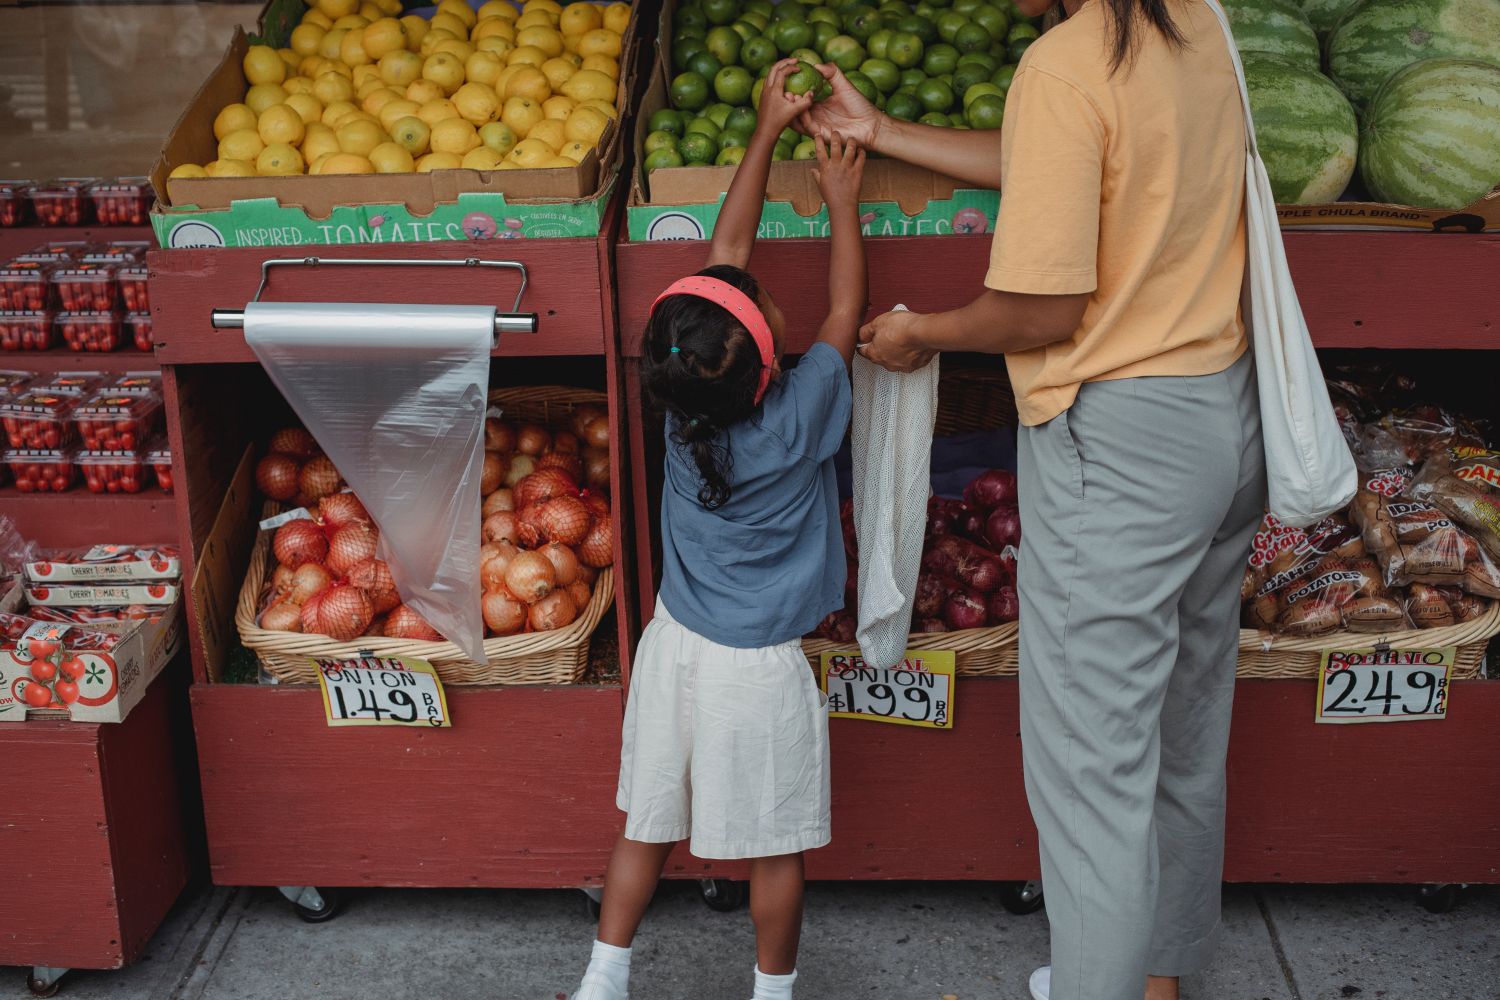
[
  {"x": 1041, "y": 983},
  {"x": 598, "y": 988}
]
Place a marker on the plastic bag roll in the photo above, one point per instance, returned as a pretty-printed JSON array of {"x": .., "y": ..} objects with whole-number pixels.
[{"x": 396, "y": 396}]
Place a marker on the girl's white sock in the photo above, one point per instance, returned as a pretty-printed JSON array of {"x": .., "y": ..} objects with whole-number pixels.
[
  {"x": 773, "y": 987},
  {"x": 608, "y": 974}
]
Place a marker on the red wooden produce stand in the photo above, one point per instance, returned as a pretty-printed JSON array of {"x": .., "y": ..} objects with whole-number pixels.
[
  {"x": 1307, "y": 803},
  {"x": 519, "y": 793}
]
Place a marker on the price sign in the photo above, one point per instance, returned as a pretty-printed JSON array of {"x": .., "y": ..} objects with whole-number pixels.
[
  {"x": 917, "y": 693},
  {"x": 1384, "y": 685},
  {"x": 382, "y": 691}
]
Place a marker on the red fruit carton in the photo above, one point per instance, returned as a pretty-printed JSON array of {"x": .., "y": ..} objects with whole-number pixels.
[
  {"x": 159, "y": 457},
  {"x": 106, "y": 564},
  {"x": 38, "y": 419},
  {"x": 113, "y": 471},
  {"x": 123, "y": 202},
  {"x": 14, "y": 383},
  {"x": 64, "y": 202},
  {"x": 42, "y": 470},
  {"x": 73, "y": 384},
  {"x": 138, "y": 325},
  {"x": 15, "y": 203},
  {"x": 132, "y": 281},
  {"x": 26, "y": 284},
  {"x": 91, "y": 331},
  {"x": 27, "y": 329},
  {"x": 59, "y": 251},
  {"x": 86, "y": 287},
  {"x": 114, "y": 421}
]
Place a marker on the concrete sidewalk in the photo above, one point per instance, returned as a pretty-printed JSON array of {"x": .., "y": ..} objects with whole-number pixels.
[{"x": 903, "y": 941}]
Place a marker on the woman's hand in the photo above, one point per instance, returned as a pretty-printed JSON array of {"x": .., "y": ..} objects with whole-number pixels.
[
  {"x": 778, "y": 109},
  {"x": 891, "y": 341},
  {"x": 845, "y": 111}
]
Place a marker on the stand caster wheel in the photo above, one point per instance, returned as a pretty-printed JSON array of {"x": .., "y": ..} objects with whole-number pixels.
[
  {"x": 1021, "y": 898},
  {"x": 721, "y": 895},
  {"x": 311, "y": 904},
  {"x": 1439, "y": 898},
  {"x": 44, "y": 981},
  {"x": 593, "y": 896}
]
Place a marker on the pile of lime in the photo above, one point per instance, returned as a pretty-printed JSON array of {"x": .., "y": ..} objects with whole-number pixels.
[{"x": 942, "y": 62}]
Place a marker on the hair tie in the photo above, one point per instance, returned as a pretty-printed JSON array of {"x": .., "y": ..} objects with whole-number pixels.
[
  {"x": 676, "y": 349},
  {"x": 692, "y": 423}
]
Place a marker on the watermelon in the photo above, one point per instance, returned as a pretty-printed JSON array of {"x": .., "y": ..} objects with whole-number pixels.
[
  {"x": 1305, "y": 129},
  {"x": 1432, "y": 135},
  {"x": 1324, "y": 14},
  {"x": 1379, "y": 37},
  {"x": 1273, "y": 27}
]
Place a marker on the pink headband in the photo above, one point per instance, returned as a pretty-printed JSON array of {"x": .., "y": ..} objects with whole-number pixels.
[{"x": 723, "y": 294}]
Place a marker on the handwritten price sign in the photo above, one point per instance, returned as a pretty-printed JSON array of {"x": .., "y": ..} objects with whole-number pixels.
[
  {"x": 382, "y": 691},
  {"x": 918, "y": 693},
  {"x": 1384, "y": 685}
]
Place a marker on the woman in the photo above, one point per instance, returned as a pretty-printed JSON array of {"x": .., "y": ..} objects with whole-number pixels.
[{"x": 1113, "y": 292}]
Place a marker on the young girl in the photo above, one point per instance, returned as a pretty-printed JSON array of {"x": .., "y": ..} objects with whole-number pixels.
[{"x": 726, "y": 737}]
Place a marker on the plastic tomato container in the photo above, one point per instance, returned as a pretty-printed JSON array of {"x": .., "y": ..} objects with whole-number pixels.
[
  {"x": 38, "y": 419},
  {"x": 159, "y": 457},
  {"x": 91, "y": 331},
  {"x": 63, "y": 202},
  {"x": 113, "y": 421},
  {"x": 138, "y": 326},
  {"x": 59, "y": 251},
  {"x": 72, "y": 384},
  {"x": 26, "y": 285},
  {"x": 13, "y": 383},
  {"x": 113, "y": 471},
  {"x": 131, "y": 280},
  {"x": 124, "y": 202},
  {"x": 15, "y": 203},
  {"x": 136, "y": 249},
  {"x": 42, "y": 470},
  {"x": 27, "y": 330},
  {"x": 137, "y": 384},
  {"x": 86, "y": 287}
]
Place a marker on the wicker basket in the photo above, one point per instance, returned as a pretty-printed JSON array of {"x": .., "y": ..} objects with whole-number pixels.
[
  {"x": 1263, "y": 655},
  {"x": 559, "y": 657},
  {"x": 978, "y": 652}
]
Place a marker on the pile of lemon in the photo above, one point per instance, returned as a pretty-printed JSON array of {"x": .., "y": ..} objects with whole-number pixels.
[{"x": 361, "y": 91}]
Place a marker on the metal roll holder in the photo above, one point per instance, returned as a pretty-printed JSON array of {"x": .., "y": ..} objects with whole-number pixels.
[{"x": 514, "y": 321}]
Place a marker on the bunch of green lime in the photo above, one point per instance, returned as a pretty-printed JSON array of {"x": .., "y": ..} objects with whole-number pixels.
[{"x": 943, "y": 62}]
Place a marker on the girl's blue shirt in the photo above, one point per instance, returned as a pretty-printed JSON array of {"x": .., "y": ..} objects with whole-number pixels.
[{"x": 767, "y": 566}]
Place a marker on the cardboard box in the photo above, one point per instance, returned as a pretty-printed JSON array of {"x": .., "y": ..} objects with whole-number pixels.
[
  {"x": 111, "y": 683},
  {"x": 1481, "y": 217},
  {"x": 372, "y": 208}
]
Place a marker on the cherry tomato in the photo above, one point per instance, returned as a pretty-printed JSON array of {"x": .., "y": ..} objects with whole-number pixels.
[
  {"x": 73, "y": 668},
  {"x": 67, "y": 691},
  {"x": 37, "y": 695},
  {"x": 43, "y": 671}
]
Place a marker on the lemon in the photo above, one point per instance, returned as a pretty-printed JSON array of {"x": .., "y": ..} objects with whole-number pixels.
[
  {"x": 317, "y": 17},
  {"x": 439, "y": 161},
  {"x": 351, "y": 21},
  {"x": 600, "y": 42},
  {"x": 370, "y": 12},
  {"x": 335, "y": 112},
  {"x": 316, "y": 166},
  {"x": 413, "y": 134},
  {"x": 232, "y": 118},
  {"x": 558, "y": 72},
  {"x": 263, "y": 64},
  {"x": 187, "y": 170},
  {"x": 416, "y": 29},
  {"x": 551, "y": 131},
  {"x": 431, "y": 39},
  {"x": 501, "y": 48},
  {"x": 312, "y": 66},
  {"x": 585, "y": 125},
  {"x": 460, "y": 50},
  {"x": 574, "y": 58},
  {"x": 437, "y": 111},
  {"x": 453, "y": 135},
  {"x": 294, "y": 85},
  {"x": 445, "y": 70},
  {"x": 264, "y": 95},
  {"x": 281, "y": 124},
  {"x": 578, "y": 18},
  {"x": 602, "y": 64},
  {"x": 617, "y": 17},
  {"x": 482, "y": 158},
  {"x": 308, "y": 107},
  {"x": 536, "y": 19},
  {"x": 477, "y": 103},
  {"x": 574, "y": 152},
  {"x": 319, "y": 141},
  {"x": 423, "y": 91},
  {"x": 389, "y": 7},
  {"x": 358, "y": 136},
  {"x": 229, "y": 168},
  {"x": 290, "y": 59},
  {"x": 366, "y": 78},
  {"x": 530, "y": 83},
  {"x": 497, "y": 8},
  {"x": 375, "y": 102},
  {"x": 510, "y": 164},
  {"x": 460, "y": 10},
  {"x": 278, "y": 160},
  {"x": 399, "y": 69},
  {"x": 521, "y": 114},
  {"x": 383, "y": 37},
  {"x": 331, "y": 43},
  {"x": 559, "y": 106},
  {"x": 499, "y": 136},
  {"x": 503, "y": 79},
  {"x": 588, "y": 84},
  {"x": 493, "y": 27},
  {"x": 526, "y": 55},
  {"x": 337, "y": 8},
  {"x": 331, "y": 88},
  {"x": 347, "y": 163},
  {"x": 603, "y": 106},
  {"x": 450, "y": 24},
  {"x": 531, "y": 153},
  {"x": 392, "y": 158},
  {"x": 396, "y": 110},
  {"x": 243, "y": 144},
  {"x": 559, "y": 162},
  {"x": 352, "y": 48},
  {"x": 483, "y": 67},
  {"x": 546, "y": 39}
]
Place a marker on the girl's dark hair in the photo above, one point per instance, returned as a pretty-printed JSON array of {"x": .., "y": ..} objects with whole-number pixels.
[
  {"x": 708, "y": 382},
  {"x": 1125, "y": 17}
]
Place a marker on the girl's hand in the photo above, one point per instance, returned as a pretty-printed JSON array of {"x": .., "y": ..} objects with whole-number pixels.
[
  {"x": 841, "y": 167},
  {"x": 890, "y": 341},
  {"x": 778, "y": 109},
  {"x": 845, "y": 111}
]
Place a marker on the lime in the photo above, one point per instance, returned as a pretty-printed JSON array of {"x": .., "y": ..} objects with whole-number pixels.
[
  {"x": 905, "y": 49},
  {"x": 762, "y": 9},
  {"x": 879, "y": 43},
  {"x": 824, "y": 15},
  {"x": 790, "y": 36},
  {"x": 919, "y": 26},
  {"x": 725, "y": 44},
  {"x": 788, "y": 12},
  {"x": 936, "y": 118},
  {"x": 926, "y": 9},
  {"x": 700, "y": 126},
  {"x": 697, "y": 148},
  {"x": 948, "y": 23},
  {"x": 935, "y": 95},
  {"x": 730, "y": 157},
  {"x": 660, "y": 140},
  {"x": 984, "y": 89},
  {"x": 862, "y": 23},
  {"x": 967, "y": 7},
  {"x": 911, "y": 79},
  {"x": 807, "y": 149},
  {"x": 689, "y": 17},
  {"x": 1016, "y": 49},
  {"x": 864, "y": 85},
  {"x": 808, "y": 80},
  {"x": 883, "y": 73},
  {"x": 732, "y": 84},
  {"x": 689, "y": 91},
  {"x": 903, "y": 106},
  {"x": 972, "y": 38},
  {"x": 755, "y": 19},
  {"x": 660, "y": 158},
  {"x": 697, "y": 31},
  {"x": 809, "y": 56},
  {"x": 989, "y": 62},
  {"x": 790, "y": 136},
  {"x": 939, "y": 59},
  {"x": 957, "y": 120},
  {"x": 705, "y": 64},
  {"x": 733, "y": 140},
  {"x": 895, "y": 10},
  {"x": 666, "y": 120},
  {"x": 783, "y": 151},
  {"x": 1021, "y": 31},
  {"x": 755, "y": 91},
  {"x": 844, "y": 52},
  {"x": 966, "y": 76},
  {"x": 745, "y": 30},
  {"x": 758, "y": 53},
  {"x": 684, "y": 49},
  {"x": 986, "y": 111},
  {"x": 992, "y": 19},
  {"x": 741, "y": 119},
  {"x": 716, "y": 113},
  {"x": 823, "y": 33},
  {"x": 720, "y": 11},
  {"x": 1004, "y": 75}
]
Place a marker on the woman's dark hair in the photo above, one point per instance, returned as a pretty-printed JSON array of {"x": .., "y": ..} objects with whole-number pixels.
[
  {"x": 703, "y": 367},
  {"x": 1124, "y": 17}
]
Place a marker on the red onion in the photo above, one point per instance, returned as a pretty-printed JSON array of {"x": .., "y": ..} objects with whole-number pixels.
[
  {"x": 971, "y": 565},
  {"x": 846, "y": 524},
  {"x": 970, "y": 524},
  {"x": 1003, "y": 527},
  {"x": 965, "y": 609},
  {"x": 991, "y": 489},
  {"x": 1005, "y": 605},
  {"x": 929, "y": 625},
  {"x": 838, "y": 627},
  {"x": 932, "y": 594}
]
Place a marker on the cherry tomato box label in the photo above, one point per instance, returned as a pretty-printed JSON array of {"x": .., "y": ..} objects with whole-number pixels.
[
  {"x": 1384, "y": 685},
  {"x": 919, "y": 692},
  {"x": 382, "y": 691},
  {"x": 106, "y": 564}
]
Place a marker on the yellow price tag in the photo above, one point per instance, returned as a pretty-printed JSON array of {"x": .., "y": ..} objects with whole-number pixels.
[
  {"x": 382, "y": 691},
  {"x": 1384, "y": 685},
  {"x": 919, "y": 692}
]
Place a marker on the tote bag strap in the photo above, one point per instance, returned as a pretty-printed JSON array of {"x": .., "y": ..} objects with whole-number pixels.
[{"x": 1239, "y": 72}]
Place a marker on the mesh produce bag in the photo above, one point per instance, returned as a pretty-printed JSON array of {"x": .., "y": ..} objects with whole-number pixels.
[{"x": 892, "y": 431}]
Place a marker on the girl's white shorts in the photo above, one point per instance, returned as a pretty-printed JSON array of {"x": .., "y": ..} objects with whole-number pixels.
[{"x": 728, "y": 747}]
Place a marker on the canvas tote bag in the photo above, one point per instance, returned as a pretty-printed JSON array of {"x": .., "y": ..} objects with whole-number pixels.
[{"x": 1310, "y": 473}]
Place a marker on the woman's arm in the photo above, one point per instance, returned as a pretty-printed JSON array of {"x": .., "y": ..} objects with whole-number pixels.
[
  {"x": 970, "y": 156},
  {"x": 994, "y": 323}
]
